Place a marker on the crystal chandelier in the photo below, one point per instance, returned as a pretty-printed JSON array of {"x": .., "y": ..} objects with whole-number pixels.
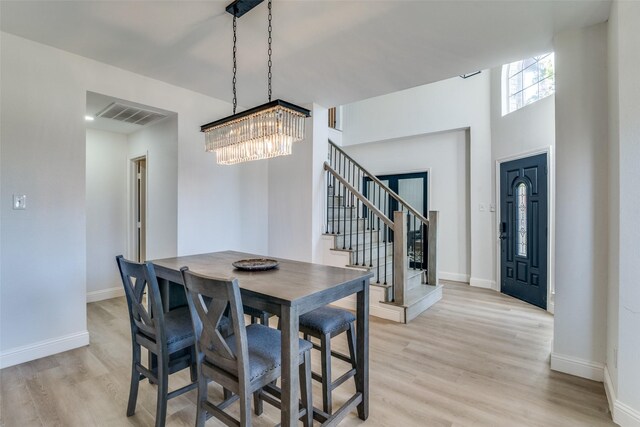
[{"x": 266, "y": 131}]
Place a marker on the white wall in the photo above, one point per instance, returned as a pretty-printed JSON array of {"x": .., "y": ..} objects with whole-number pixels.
[
  {"x": 445, "y": 156},
  {"x": 623, "y": 315},
  {"x": 438, "y": 107},
  {"x": 296, "y": 191},
  {"x": 106, "y": 194},
  {"x": 43, "y": 248},
  {"x": 582, "y": 198},
  {"x": 159, "y": 142},
  {"x": 527, "y": 130}
]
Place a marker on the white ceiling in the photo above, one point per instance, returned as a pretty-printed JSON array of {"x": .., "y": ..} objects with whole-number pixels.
[{"x": 329, "y": 52}]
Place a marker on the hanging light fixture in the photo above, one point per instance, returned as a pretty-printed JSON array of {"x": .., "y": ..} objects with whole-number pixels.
[{"x": 268, "y": 130}]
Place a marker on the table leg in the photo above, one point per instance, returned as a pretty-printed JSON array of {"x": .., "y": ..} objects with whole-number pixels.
[
  {"x": 362, "y": 353},
  {"x": 290, "y": 362}
]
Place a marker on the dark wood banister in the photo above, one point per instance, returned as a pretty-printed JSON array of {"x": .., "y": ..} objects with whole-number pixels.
[{"x": 392, "y": 193}]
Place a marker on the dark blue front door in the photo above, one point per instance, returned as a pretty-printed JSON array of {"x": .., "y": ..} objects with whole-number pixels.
[{"x": 523, "y": 229}]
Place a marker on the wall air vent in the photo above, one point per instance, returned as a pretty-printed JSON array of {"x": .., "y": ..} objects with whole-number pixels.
[{"x": 129, "y": 114}]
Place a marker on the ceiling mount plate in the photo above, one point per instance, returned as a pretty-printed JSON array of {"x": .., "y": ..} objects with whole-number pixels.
[{"x": 240, "y": 7}]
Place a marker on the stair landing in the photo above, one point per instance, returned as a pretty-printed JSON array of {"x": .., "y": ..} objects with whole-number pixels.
[{"x": 419, "y": 296}]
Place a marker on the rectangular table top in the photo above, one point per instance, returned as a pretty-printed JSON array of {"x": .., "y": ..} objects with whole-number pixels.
[{"x": 293, "y": 282}]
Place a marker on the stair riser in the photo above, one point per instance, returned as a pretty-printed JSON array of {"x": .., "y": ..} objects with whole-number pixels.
[
  {"x": 414, "y": 277},
  {"x": 343, "y": 212},
  {"x": 359, "y": 238},
  {"x": 370, "y": 261},
  {"x": 345, "y": 227}
]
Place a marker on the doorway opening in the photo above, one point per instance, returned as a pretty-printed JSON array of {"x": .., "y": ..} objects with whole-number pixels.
[
  {"x": 413, "y": 188},
  {"x": 130, "y": 209},
  {"x": 139, "y": 211}
]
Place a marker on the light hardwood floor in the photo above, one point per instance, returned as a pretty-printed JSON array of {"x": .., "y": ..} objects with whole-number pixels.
[{"x": 477, "y": 358}]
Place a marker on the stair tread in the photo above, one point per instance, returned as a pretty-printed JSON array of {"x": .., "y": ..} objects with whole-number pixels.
[{"x": 417, "y": 294}]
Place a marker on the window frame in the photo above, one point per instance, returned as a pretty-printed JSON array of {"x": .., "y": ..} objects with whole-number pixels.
[{"x": 507, "y": 77}]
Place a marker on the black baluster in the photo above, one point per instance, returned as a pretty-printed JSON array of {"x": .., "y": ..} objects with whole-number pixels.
[
  {"x": 378, "y": 252},
  {"x": 379, "y": 202},
  {"x": 393, "y": 265},
  {"x": 335, "y": 191},
  {"x": 371, "y": 245},
  {"x": 344, "y": 218},
  {"x": 358, "y": 231},
  {"x": 384, "y": 241},
  {"x": 351, "y": 223},
  {"x": 327, "y": 201},
  {"x": 415, "y": 238},
  {"x": 339, "y": 193}
]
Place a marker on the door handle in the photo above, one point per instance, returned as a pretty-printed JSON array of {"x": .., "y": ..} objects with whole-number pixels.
[{"x": 503, "y": 231}]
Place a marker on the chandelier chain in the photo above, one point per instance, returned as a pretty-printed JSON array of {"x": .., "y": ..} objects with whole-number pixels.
[
  {"x": 269, "y": 63},
  {"x": 235, "y": 67}
]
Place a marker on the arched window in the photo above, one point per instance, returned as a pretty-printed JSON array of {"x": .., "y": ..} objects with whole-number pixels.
[{"x": 527, "y": 81}]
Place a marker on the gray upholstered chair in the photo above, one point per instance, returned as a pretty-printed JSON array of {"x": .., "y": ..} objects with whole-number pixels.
[
  {"x": 167, "y": 336},
  {"x": 246, "y": 363},
  {"x": 325, "y": 323}
]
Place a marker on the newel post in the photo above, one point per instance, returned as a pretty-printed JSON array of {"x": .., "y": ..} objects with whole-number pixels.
[
  {"x": 432, "y": 255},
  {"x": 399, "y": 256}
]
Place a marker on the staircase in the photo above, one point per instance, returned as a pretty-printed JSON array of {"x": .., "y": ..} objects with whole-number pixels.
[{"x": 370, "y": 227}]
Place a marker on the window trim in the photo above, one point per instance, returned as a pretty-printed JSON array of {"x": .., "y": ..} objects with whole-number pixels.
[{"x": 507, "y": 76}]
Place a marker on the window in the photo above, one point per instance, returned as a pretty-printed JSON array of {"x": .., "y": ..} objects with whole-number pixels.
[
  {"x": 527, "y": 81},
  {"x": 521, "y": 219}
]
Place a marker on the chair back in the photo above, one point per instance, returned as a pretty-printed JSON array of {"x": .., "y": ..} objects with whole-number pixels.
[
  {"x": 136, "y": 277},
  {"x": 209, "y": 300}
]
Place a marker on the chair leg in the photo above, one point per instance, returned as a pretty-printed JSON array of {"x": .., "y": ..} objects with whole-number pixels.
[
  {"x": 135, "y": 380},
  {"x": 201, "y": 414},
  {"x": 163, "y": 388},
  {"x": 305, "y": 389},
  {"x": 194, "y": 365},
  {"x": 264, "y": 319},
  {"x": 325, "y": 352},
  {"x": 351, "y": 339},
  {"x": 257, "y": 403},
  {"x": 254, "y": 320},
  {"x": 226, "y": 393},
  {"x": 245, "y": 409}
]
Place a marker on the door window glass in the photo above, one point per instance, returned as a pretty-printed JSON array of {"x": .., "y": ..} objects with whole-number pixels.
[{"x": 521, "y": 219}]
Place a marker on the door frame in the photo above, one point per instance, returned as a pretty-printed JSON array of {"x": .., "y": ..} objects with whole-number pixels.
[
  {"x": 131, "y": 201},
  {"x": 551, "y": 226},
  {"x": 421, "y": 170}
]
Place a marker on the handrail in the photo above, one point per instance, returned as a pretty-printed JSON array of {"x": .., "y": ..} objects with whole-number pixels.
[
  {"x": 356, "y": 193},
  {"x": 392, "y": 193}
]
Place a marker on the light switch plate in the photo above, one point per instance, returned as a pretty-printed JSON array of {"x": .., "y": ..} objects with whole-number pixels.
[{"x": 19, "y": 201}]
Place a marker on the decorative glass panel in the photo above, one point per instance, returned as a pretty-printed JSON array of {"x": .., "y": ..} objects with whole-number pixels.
[{"x": 521, "y": 220}]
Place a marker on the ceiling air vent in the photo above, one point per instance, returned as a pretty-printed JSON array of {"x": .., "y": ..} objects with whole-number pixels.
[{"x": 128, "y": 114}]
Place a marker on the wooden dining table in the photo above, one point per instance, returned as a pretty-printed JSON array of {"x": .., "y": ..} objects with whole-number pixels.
[{"x": 290, "y": 290}]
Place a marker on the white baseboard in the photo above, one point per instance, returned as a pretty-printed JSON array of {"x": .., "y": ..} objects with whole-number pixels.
[
  {"x": 483, "y": 283},
  {"x": 578, "y": 367},
  {"x": 103, "y": 294},
  {"x": 454, "y": 277},
  {"x": 622, "y": 414},
  {"x": 41, "y": 349}
]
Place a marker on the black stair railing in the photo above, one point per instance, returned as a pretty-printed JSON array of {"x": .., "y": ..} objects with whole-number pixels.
[{"x": 360, "y": 209}]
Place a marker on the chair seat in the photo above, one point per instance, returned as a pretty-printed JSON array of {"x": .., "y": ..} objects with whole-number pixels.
[
  {"x": 179, "y": 329},
  {"x": 263, "y": 344},
  {"x": 326, "y": 320}
]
